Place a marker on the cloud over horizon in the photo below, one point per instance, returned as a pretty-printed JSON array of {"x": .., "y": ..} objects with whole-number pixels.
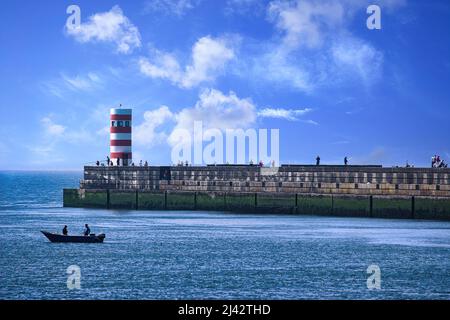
[{"x": 215, "y": 110}]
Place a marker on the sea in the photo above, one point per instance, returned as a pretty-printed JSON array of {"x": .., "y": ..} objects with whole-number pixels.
[{"x": 209, "y": 255}]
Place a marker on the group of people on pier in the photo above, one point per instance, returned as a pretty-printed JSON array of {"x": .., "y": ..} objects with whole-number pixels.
[
  {"x": 318, "y": 161},
  {"x": 182, "y": 164},
  {"x": 261, "y": 163},
  {"x": 437, "y": 162},
  {"x": 110, "y": 163}
]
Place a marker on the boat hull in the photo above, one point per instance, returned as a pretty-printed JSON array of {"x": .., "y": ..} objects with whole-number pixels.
[{"x": 53, "y": 237}]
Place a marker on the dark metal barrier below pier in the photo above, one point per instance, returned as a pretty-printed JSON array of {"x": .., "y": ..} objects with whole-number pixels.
[{"x": 268, "y": 203}]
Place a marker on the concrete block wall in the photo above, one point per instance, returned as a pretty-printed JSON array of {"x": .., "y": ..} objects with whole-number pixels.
[{"x": 291, "y": 179}]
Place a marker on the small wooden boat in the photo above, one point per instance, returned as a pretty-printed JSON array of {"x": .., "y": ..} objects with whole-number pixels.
[{"x": 55, "y": 237}]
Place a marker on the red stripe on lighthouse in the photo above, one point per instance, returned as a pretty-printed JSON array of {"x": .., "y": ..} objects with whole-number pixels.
[
  {"x": 120, "y": 142},
  {"x": 120, "y": 129},
  {"x": 121, "y": 155},
  {"x": 121, "y": 117}
]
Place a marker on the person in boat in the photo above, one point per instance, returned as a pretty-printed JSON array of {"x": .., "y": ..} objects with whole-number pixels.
[
  {"x": 65, "y": 232},
  {"x": 87, "y": 231}
]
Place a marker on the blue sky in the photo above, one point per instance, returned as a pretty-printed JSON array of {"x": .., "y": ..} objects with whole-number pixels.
[{"x": 313, "y": 69}]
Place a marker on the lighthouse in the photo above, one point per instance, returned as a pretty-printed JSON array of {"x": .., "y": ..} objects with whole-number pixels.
[{"x": 120, "y": 136}]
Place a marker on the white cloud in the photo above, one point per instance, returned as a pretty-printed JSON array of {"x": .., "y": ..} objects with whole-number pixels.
[
  {"x": 103, "y": 131},
  {"x": 276, "y": 66},
  {"x": 42, "y": 151},
  {"x": 218, "y": 110},
  {"x": 215, "y": 109},
  {"x": 83, "y": 83},
  {"x": 164, "y": 66},
  {"x": 305, "y": 22},
  {"x": 52, "y": 88},
  {"x": 55, "y": 132},
  {"x": 315, "y": 47},
  {"x": 145, "y": 134},
  {"x": 51, "y": 128},
  {"x": 315, "y": 123},
  {"x": 208, "y": 58},
  {"x": 111, "y": 26},
  {"x": 175, "y": 7},
  {"x": 358, "y": 57},
  {"x": 64, "y": 84},
  {"x": 279, "y": 113}
]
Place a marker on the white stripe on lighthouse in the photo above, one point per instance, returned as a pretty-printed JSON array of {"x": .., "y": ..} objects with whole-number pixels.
[
  {"x": 121, "y": 111},
  {"x": 120, "y": 136},
  {"x": 120, "y": 149}
]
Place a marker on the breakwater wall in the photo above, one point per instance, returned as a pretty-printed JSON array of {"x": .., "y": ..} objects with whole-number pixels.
[{"x": 363, "y": 191}]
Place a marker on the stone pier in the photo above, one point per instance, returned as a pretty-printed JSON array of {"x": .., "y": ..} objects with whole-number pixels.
[{"x": 363, "y": 191}]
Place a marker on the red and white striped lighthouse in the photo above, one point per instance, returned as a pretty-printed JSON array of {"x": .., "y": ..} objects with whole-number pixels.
[{"x": 120, "y": 136}]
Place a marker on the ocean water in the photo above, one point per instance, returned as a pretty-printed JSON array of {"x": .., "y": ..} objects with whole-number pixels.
[{"x": 209, "y": 255}]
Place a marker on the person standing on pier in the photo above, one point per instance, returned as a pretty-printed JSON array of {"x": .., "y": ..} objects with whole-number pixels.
[
  {"x": 118, "y": 161},
  {"x": 318, "y": 161},
  {"x": 345, "y": 161}
]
